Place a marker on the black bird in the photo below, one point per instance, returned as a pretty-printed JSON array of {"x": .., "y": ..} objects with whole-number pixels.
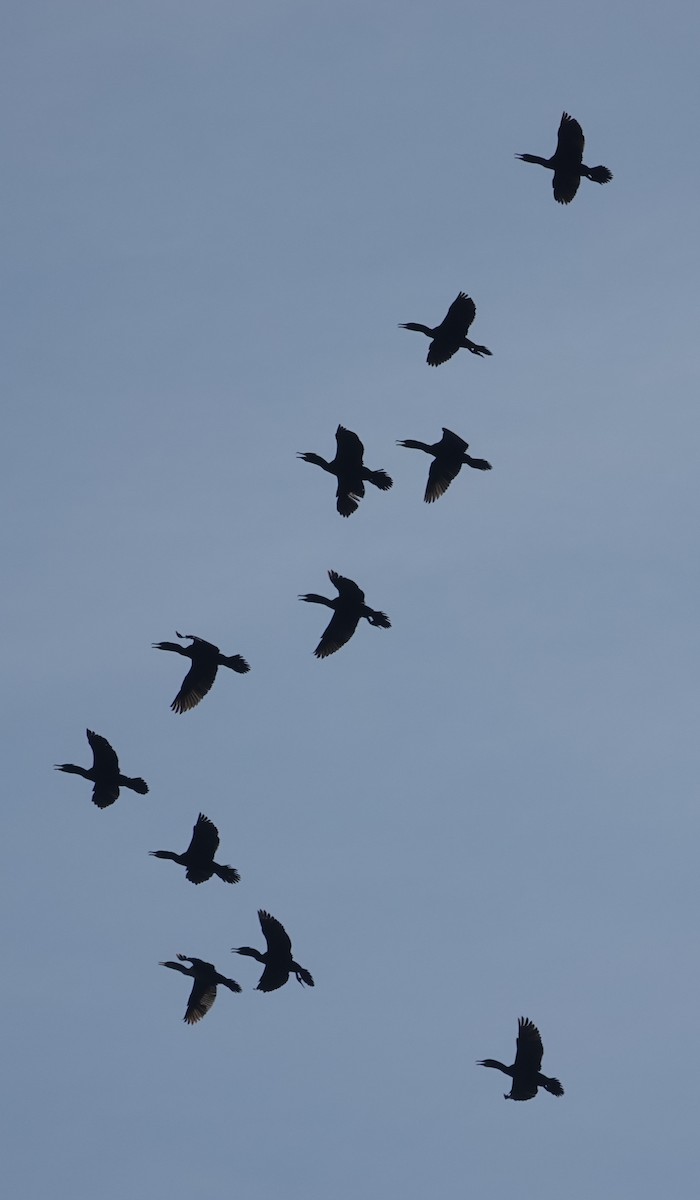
[
  {"x": 206, "y": 660},
  {"x": 348, "y": 608},
  {"x": 349, "y": 470},
  {"x": 451, "y": 334},
  {"x": 199, "y": 855},
  {"x": 567, "y": 162},
  {"x": 450, "y": 455},
  {"x": 277, "y": 959},
  {"x": 525, "y": 1071},
  {"x": 206, "y": 979},
  {"x": 104, "y": 772}
]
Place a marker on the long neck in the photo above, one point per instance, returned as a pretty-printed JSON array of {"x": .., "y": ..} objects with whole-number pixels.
[
  {"x": 312, "y": 598},
  {"x": 251, "y": 953},
  {"x": 499, "y": 1066},
  {"x": 169, "y": 854},
  {"x": 413, "y": 445},
  {"x": 71, "y": 769},
  {"x": 419, "y": 328},
  {"x": 178, "y": 967},
  {"x": 535, "y": 158},
  {"x": 318, "y": 462}
]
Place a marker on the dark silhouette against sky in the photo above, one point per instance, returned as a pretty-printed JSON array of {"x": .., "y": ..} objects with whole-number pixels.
[
  {"x": 206, "y": 980},
  {"x": 350, "y": 471},
  {"x": 449, "y": 455},
  {"x": 525, "y": 1071},
  {"x": 206, "y": 660},
  {"x": 104, "y": 772},
  {"x": 198, "y": 858},
  {"x": 451, "y": 334},
  {"x": 567, "y": 162},
  {"x": 348, "y": 610},
  {"x": 277, "y": 958}
]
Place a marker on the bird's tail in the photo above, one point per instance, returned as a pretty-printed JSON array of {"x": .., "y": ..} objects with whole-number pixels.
[
  {"x": 236, "y": 662},
  {"x": 304, "y": 976},
  {"x": 552, "y": 1086},
  {"x": 380, "y": 479},
  {"x": 379, "y": 618},
  {"x": 228, "y": 874},
  {"x": 479, "y": 464},
  {"x": 137, "y": 785},
  {"x": 480, "y": 351},
  {"x": 599, "y": 174}
]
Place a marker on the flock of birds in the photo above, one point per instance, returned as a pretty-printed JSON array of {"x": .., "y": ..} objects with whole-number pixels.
[{"x": 449, "y": 454}]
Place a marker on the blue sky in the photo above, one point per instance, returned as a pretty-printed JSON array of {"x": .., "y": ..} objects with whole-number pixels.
[{"x": 216, "y": 216}]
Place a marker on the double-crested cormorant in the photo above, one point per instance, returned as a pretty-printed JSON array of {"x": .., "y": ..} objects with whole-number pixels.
[
  {"x": 199, "y": 855},
  {"x": 567, "y": 162},
  {"x": 525, "y": 1071},
  {"x": 278, "y": 960},
  {"x": 349, "y": 607},
  {"x": 206, "y": 979},
  {"x": 451, "y": 335},
  {"x": 206, "y": 660},
  {"x": 104, "y": 772},
  {"x": 450, "y": 455},
  {"x": 349, "y": 470}
]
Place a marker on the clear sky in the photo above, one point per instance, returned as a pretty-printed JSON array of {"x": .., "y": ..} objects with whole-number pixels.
[{"x": 215, "y": 216}]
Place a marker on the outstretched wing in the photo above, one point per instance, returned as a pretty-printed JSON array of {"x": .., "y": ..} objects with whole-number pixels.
[
  {"x": 570, "y": 140},
  {"x": 336, "y": 634},
  {"x": 440, "y": 477},
  {"x": 347, "y": 588},
  {"x": 104, "y": 757},
  {"x": 349, "y": 445},
  {"x": 197, "y": 682},
  {"x": 565, "y": 185},
  {"x": 202, "y": 848},
  {"x": 278, "y": 940},
  {"x": 272, "y": 978},
  {"x": 528, "y": 1053},
  {"x": 201, "y": 999}
]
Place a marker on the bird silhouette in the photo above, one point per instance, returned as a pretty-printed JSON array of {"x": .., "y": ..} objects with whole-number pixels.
[
  {"x": 348, "y": 609},
  {"x": 206, "y": 979},
  {"x": 451, "y": 334},
  {"x": 104, "y": 772},
  {"x": 277, "y": 959},
  {"x": 206, "y": 660},
  {"x": 349, "y": 470},
  {"x": 449, "y": 455},
  {"x": 567, "y": 162},
  {"x": 525, "y": 1071},
  {"x": 198, "y": 858}
]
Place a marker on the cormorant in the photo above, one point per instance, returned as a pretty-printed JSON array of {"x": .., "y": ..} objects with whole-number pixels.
[
  {"x": 525, "y": 1071},
  {"x": 206, "y": 979},
  {"x": 451, "y": 334},
  {"x": 349, "y": 470},
  {"x": 449, "y": 454},
  {"x": 104, "y": 772},
  {"x": 277, "y": 959},
  {"x": 199, "y": 855},
  {"x": 206, "y": 659},
  {"x": 567, "y": 162},
  {"x": 349, "y": 607}
]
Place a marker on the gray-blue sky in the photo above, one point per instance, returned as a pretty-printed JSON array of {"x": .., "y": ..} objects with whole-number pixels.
[{"x": 216, "y": 215}]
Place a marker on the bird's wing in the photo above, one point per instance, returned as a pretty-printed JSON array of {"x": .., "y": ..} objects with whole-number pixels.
[
  {"x": 201, "y": 999},
  {"x": 440, "y": 477},
  {"x": 460, "y": 315},
  {"x": 570, "y": 139},
  {"x": 275, "y": 934},
  {"x": 272, "y": 978},
  {"x": 349, "y": 444},
  {"x": 205, "y": 838},
  {"x": 105, "y": 758},
  {"x": 339, "y": 630},
  {"x": 105, "y": 794},
  {"x": 197, "y": 682},
  {"x": 440, "y": 351},
  {"x": 565, "y": 186},
  {"x": 528, "y": 1053},
  {"x": 346, "y": 587}
]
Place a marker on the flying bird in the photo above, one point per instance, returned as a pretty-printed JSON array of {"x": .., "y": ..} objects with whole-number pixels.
[
  {"x": 104, "y": 772},
  {"x": 451, "y": 334},
  {"x": 449, "y": 456},
  {"x": 198, "y": 858},
  {"x": 525, "y": 1071},
  {"x": 277, "y": 959},
  {"x": 206, "y": 979},
  {"x": 348, "y": 609},
  {"x": 567, "y": 162},
  {"x": 206, "y": 660},
  {"x": 349, "y": 470}
]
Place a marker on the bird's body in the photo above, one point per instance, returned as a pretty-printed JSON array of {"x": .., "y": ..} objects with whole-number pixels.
[
  {"x": 348, "y": 609},
  {"x": 567, "y": 162},
  {"x": 198, "y": 858},
  {"x": 206, "y": 660},
  {"x": 206, "y": 979},
  {"x": 451, "y": 334},
  {"x": 525, "y": 1071},
  {"x": 349, "y": 470},
  {"x": 104, "y": 772},
  {"x": 277, "y": 958},
  {"x": 449, "y": 455}
]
